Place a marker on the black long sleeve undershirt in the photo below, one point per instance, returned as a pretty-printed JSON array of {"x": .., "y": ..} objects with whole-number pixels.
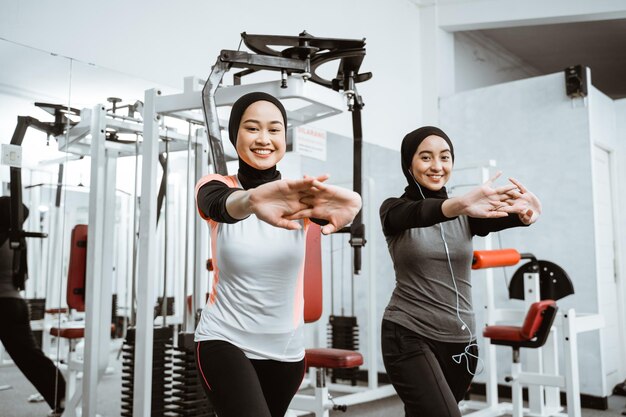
[
  {"x": 211, "y": 201},
  {"x": 482, "y": 227},
  {"x": 399, "y": 214}
]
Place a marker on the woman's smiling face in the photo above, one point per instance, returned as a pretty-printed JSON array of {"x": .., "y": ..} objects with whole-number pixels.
[
  {"x": 261, "y": 138},
  {"x": 432, "y": 163}
]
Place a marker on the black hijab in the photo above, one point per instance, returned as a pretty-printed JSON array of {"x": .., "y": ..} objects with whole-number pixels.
[
  {"x": 248, "y": 176},
  {"x": 410, "y": 144}
]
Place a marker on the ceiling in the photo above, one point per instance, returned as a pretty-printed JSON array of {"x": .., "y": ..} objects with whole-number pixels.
[{"x": 600, "y": 45}]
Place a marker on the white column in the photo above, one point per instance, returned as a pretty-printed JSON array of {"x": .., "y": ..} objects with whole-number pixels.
[
  {"x": 93, "y": 276},
  {"x": 201, "y": 231},
  {"x": 105, "y": 284},
  {"x": 534, "y": 357},
  {"x": 142, "y": 388},
  {"x": 372, "y": 320},
  {"x": 570, "y": 349},
  {"x": 437, "y": 54}
]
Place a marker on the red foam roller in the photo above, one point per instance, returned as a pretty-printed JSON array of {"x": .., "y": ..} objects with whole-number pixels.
[{"x": 495, "y": 258}]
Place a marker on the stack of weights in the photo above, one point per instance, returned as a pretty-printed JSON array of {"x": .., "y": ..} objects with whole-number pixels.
[
  {"x": 343, "y": 333},
  {"x": 114, "y": 320},
  {"x": 37, "y": 311},
  {"x": 187, "y": 395},
  {"x": 114, "y": 309},
  {"x": 169, "y": 306},
  {"x": 162, "y": 337},
  {"x": 36, "y": 308}
]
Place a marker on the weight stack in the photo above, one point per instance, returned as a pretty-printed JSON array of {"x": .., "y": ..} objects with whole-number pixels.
[
  {"x": 160, "y": 356},
  {"x": 169, "y": 306},
  {"x": 113, "y": 308},
  {"x": 37, "y": 311},
  {"x": 36, "y": 308},
  {"x": 187, "y": 397},
  {"x": 343, "y": 333},
  {"x": 114, "y": 318}
]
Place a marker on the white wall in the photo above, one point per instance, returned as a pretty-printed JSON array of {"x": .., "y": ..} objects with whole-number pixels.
[
  {"x": 456, "y": 15},
  {"x": 480, "y": 62},
  {"x": 486, "y": 63},
  {"x": 620, "y": 219},
  {"x": 607, "y": 186},
  {"x": 162, "y": 42}
]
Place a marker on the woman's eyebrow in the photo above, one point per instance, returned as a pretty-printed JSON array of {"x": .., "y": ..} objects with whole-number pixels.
[{"x": 258, "y": 122}]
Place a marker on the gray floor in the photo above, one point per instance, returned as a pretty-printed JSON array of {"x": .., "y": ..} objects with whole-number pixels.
[{"x": 13, "y": 401}]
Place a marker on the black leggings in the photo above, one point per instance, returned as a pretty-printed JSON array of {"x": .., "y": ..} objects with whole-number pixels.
[
  {"x": 428, "y": 381},
  {"x": 242, "y": 387},
  {"x": 17, "y": 338}
]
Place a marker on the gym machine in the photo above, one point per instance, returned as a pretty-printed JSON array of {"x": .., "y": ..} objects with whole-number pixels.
[{"x": 539, "y": 284}]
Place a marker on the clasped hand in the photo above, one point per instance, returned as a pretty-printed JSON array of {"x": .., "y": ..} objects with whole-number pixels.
[
  {"x": 281, "y": 203},
  {"x": 489, "y": 202}
]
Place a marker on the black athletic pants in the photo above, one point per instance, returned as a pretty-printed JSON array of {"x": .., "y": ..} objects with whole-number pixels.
[
  {"x": 242, "y": 387},
  {"x": 19, "y": 342},
  {"x": 429, "y": 382}
]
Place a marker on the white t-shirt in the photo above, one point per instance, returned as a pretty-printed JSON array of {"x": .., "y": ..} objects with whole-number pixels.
[{"x": 256, "y": 302}]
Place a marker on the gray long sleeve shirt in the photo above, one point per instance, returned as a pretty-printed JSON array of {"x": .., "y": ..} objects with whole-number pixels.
[{"x": 431, "y": 298}]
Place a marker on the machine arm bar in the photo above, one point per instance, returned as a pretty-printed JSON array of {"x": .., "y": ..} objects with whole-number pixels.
[
  {"x": 357, "y": 229},
  {"x": 210, "y": 116},
  {"x": 17, "y": 213},
  {"x": 242, "y": 59},
  {"x": 17, "y": 235}
]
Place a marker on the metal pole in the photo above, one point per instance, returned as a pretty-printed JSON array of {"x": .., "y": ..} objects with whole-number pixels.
[
  {"x": 187, "y": 218},
  {"x": 142, "y": 389},
  {"x": 372, "y": 370},
  {"x": 133, "y": 300},
  {"x": 165, "y": 233},
  {"x": 211, "y": 117},
  {"x": 357, "y": 230},
  {"x": 95, "y": 241}
]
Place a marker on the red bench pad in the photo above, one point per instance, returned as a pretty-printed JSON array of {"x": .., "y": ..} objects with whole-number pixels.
[
  {"x": 509, "y": 333},
  {"x": 333, "y": 358},
  {"x": 73, "y": 332}
]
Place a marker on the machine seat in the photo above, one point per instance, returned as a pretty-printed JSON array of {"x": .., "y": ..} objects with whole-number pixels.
[
  {"x": 72, "y": 331},
  {"x": 533, "y": 333},
  {"x": 333, "y": 358}
]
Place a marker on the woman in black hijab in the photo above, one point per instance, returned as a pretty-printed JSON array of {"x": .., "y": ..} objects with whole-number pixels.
[
  {"x": 250, "y": 346},
  {"x": 15, "y": 332},
  {"x": 428, "y": 332}
]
